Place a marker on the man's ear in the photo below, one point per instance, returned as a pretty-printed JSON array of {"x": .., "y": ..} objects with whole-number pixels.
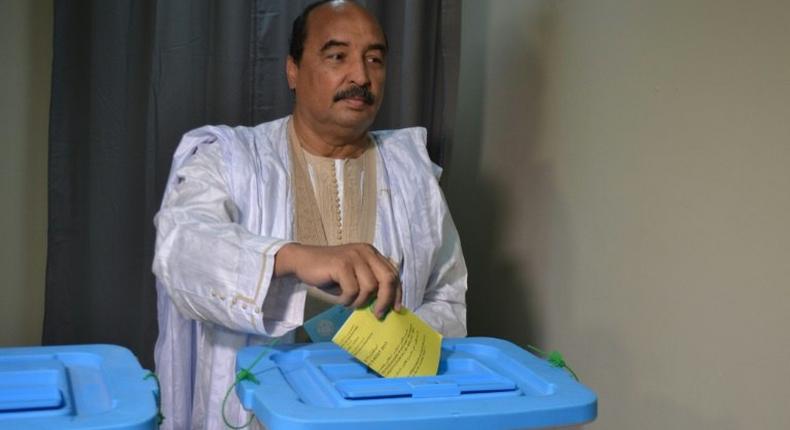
[{"x": 291, "y": 72}]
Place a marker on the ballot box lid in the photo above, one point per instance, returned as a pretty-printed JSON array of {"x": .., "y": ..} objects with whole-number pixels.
[
  {"x": 482, "y": 383},
  {"x": 75, "y": 387}
]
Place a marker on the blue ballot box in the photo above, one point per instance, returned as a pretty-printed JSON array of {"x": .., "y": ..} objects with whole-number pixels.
[
  {"x": 75, "y": 387},
  {"x": 482, "y": 383}
]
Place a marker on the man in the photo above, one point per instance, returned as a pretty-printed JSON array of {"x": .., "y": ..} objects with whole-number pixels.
[{"x": 253, "y": 215}]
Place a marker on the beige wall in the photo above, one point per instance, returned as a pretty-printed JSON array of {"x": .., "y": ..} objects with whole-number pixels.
[
  {"x": 621, "y": 180},
  {"x": 25, "y": 56}
]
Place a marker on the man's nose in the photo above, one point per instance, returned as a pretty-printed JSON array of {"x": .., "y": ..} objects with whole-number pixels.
[{"x": 359, "y": 73}]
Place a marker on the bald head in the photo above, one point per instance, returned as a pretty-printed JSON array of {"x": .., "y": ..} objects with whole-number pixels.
[{"x": 302, "y": 23}]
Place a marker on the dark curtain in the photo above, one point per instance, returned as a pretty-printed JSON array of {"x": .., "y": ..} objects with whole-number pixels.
[{"x": 130, "y": 77}]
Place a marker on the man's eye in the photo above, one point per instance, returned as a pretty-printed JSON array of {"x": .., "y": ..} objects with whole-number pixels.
[
  {"x": 336, "y": 57},
  {"x": 376, "y": 60}
]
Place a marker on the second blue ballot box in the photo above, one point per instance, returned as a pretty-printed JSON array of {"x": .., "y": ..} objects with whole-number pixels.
[{"x": 75, "y": 387}]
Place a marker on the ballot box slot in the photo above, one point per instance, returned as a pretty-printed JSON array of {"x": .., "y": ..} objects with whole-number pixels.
[
  {"x": 419, "y": 387},
  {"x": 457, "y": 377}
]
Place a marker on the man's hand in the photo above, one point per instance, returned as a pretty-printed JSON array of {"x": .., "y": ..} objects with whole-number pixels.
[{"x": 359, "y": 269}]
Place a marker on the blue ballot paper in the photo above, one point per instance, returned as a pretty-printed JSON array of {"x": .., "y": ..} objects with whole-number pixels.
[{"x": 322, "y": 327}]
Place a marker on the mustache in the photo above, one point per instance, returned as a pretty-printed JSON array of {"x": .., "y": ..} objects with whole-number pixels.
[{"x": 356, "y": 91}]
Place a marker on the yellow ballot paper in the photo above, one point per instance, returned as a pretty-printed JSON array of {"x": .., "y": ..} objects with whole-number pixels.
[{"x": 400, "y": 345}]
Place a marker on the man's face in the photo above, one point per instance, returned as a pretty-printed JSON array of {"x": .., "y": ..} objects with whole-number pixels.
[{"x": 339, "y": 81}]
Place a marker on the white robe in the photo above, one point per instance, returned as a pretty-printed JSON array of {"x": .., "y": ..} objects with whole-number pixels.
[{"x": 227, "y": 210}]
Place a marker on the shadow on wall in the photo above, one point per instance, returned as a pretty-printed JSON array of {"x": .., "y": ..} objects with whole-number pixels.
[
  {"x": 503, "y": 207},
  {"x": 34, "y": 248},
  {"x": 501, "y": 299}
]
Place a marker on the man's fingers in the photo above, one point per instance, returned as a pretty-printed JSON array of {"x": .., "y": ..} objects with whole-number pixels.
[
  {"x": 359, "y": 269},
  {"x": 398, "y": 297},
  {"x": 393, "y": 265},
  {"x": 388, "y": 284},
  {"x": 367, "y": 284},
  {"x": 349, "y": 287}
]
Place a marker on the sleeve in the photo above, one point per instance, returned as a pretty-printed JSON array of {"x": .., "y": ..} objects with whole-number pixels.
[
  {"x": 210, "y": 266},
  {"x": 444, "y": 301}
]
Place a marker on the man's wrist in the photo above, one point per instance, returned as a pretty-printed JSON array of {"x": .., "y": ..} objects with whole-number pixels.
[{"x": 285, "y": 259}]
